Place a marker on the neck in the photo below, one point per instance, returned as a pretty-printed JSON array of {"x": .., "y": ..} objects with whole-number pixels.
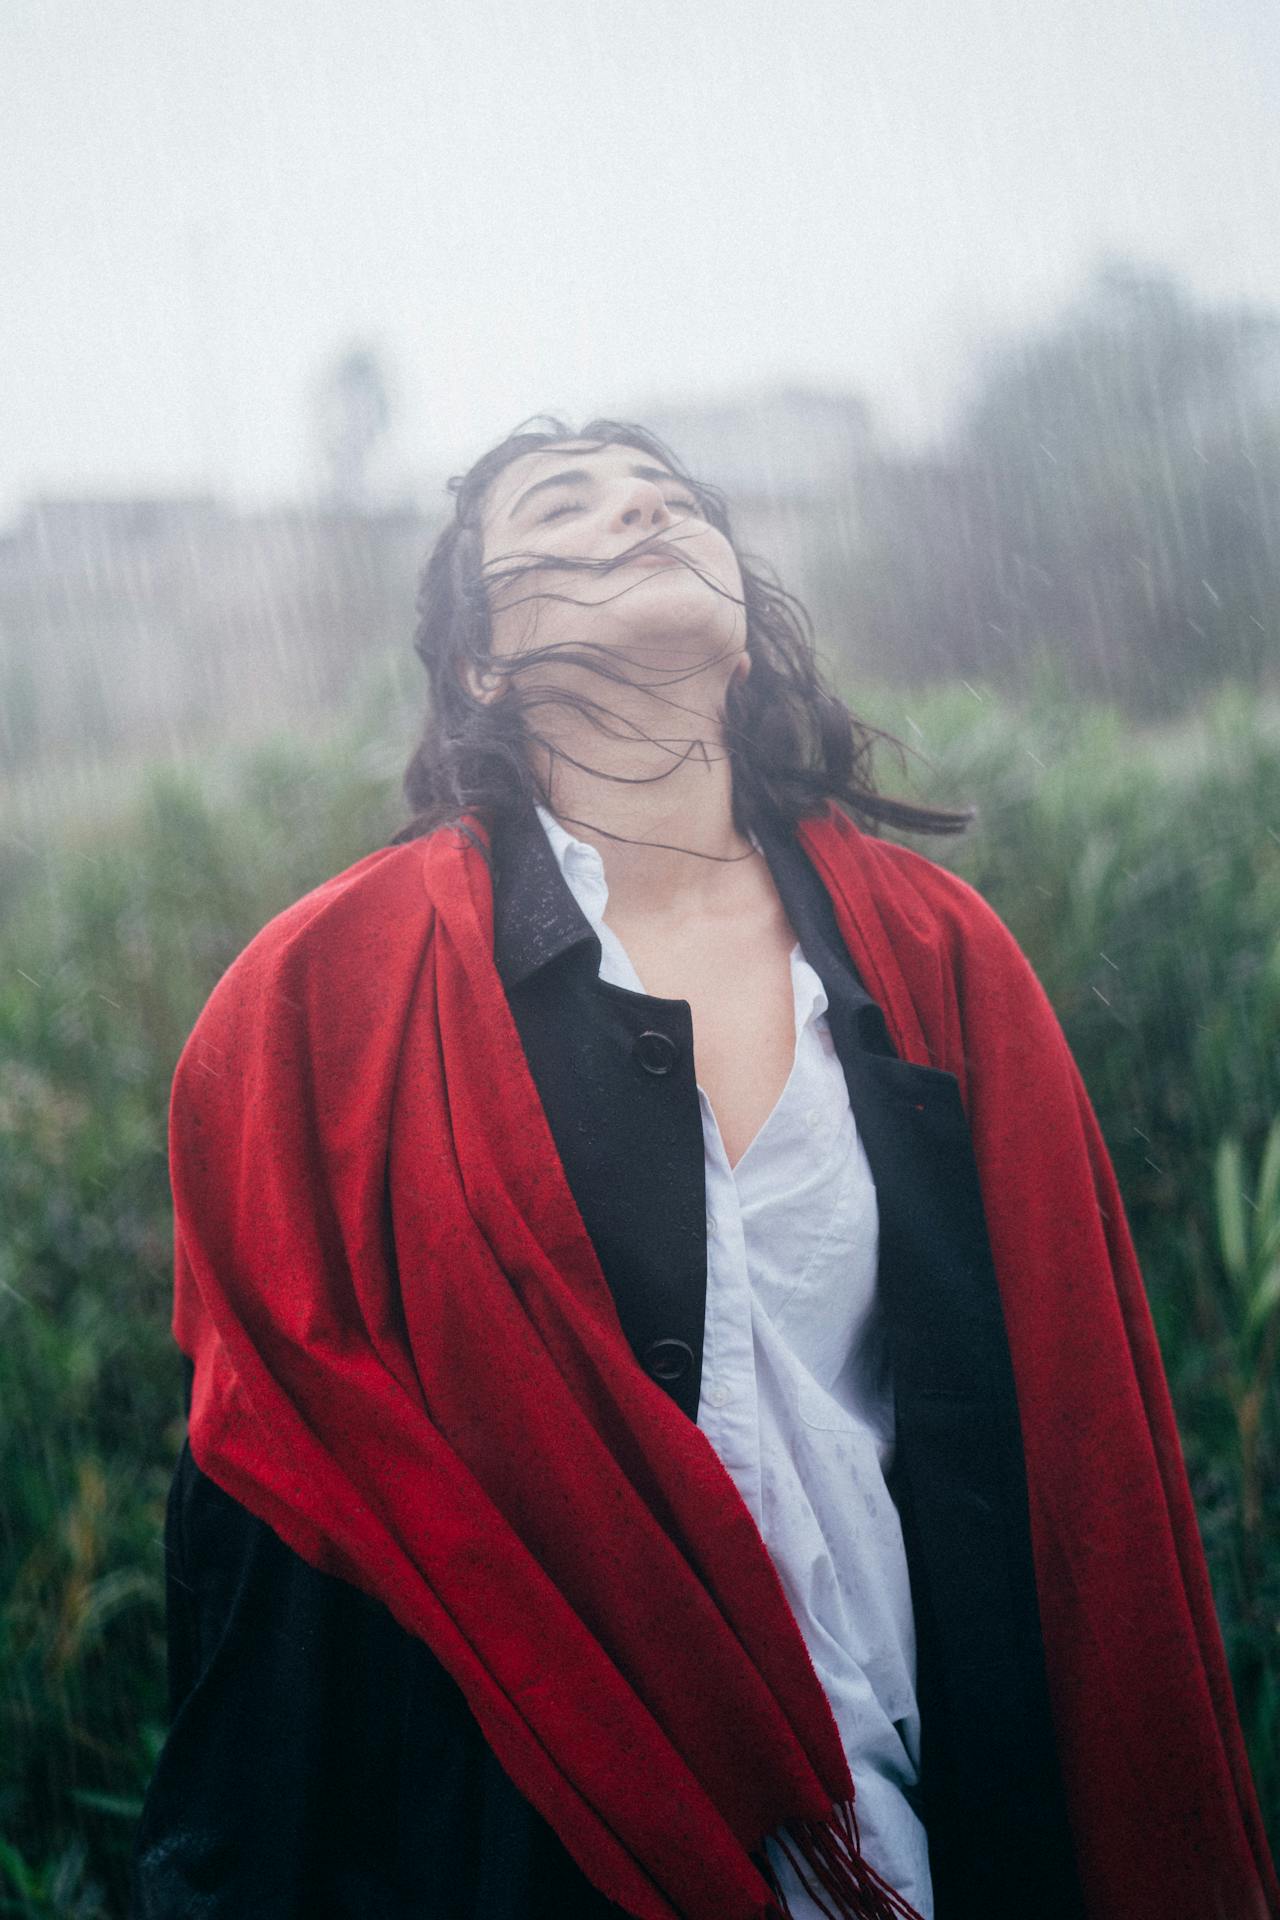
[{"x": 653, "y": 794}]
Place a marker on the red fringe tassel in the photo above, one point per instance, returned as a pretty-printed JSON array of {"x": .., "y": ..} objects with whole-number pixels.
[{"x": 827, "y": 1855}]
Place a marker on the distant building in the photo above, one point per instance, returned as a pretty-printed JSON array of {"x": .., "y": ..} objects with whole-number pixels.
[
  {"x": 789, "y": 445},
  {"x": 144, "y": 624},
  {"x": 68, "y": 528},
  {"x": 790, "y": 462}
]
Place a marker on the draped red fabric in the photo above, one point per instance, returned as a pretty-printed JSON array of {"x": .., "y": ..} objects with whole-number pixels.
[
  {"x": 408, "y": 1364},
  {"x": 1162, "y": 1805}
]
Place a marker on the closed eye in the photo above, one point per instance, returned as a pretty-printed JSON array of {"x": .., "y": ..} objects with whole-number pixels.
[{"x": 575, "y": 506}]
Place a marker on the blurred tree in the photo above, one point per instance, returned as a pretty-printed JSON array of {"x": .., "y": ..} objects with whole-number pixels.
[
  {"x": 1111, "y": 496},
  {"x": 353, "y": 417}
]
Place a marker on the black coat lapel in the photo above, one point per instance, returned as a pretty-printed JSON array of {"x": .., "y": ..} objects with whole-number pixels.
[{"x": 615, "y": 1074}]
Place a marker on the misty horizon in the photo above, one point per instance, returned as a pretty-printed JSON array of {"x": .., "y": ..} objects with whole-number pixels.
[{"x": 566, "y": 212}]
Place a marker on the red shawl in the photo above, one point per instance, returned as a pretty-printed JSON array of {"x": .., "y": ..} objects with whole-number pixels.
[{"x": 408, "y": 1363}]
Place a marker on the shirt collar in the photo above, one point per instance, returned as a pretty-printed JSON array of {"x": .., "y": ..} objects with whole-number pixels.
[
  {"x": 581, "y": 867},
  {"x": 536, "y": 919},
  {"x": 582, "y": 870}
]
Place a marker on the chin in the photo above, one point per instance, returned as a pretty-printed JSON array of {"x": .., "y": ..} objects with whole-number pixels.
[{"x": 672, "y": 604}]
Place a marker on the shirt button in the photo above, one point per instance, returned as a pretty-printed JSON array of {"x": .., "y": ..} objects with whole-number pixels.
[
  {"x": 813, "y": 1119},
  {"x": 720, "y": 1397},
  {"x": 655, "y": 1052},
  {"x": 667, "y": 1360}
]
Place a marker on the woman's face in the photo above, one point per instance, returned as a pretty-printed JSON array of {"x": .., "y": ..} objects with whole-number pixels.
[{"x": 678, "y": 601}]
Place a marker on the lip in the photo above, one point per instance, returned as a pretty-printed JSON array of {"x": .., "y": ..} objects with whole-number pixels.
[{"x": 654, "y": 558}]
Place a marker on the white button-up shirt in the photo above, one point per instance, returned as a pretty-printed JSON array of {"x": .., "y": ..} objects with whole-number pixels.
[{"x": 797, "y": 1402}]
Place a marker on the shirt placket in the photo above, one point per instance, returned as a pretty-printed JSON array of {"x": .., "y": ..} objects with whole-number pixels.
[{"x": 728, "y": 1413}]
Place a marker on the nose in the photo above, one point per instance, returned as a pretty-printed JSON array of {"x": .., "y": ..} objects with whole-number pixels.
[{"x": 640, "y": 503}]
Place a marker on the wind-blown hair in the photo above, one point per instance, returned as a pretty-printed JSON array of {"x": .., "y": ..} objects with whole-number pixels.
[{"x": 793, "y": 744}]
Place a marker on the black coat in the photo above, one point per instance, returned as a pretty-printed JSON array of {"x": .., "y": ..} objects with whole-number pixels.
[{"x": 321, "y": 1764}]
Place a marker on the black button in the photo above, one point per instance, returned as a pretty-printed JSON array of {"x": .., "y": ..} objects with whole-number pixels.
[
  {"x": 655, "y": 1052},
  {"x": 668, "y": 1360}
]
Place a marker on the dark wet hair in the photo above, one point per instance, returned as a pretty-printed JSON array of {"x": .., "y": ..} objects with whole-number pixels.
[{"x": 794, "y": 745}]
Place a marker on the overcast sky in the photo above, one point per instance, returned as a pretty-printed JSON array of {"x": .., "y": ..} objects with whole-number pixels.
[{"x": 580, "y": 206}]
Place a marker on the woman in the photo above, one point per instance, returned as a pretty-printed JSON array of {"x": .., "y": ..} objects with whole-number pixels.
[{"x": 675, "y": 1427}]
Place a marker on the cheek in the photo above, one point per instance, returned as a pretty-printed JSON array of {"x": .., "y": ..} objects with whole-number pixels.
[
  {"x": 508, "y": 581},
  {"x": 524, "y": 611},
  {"x": 723, "y": 566},
  {"x": 511, "y": 628},
  {"x": 720, "y": 559}
]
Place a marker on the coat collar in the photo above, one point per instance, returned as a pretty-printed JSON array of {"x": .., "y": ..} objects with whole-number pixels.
[
  {"x": 535, "y": 916},
  {"x": 536, "y": 919}
]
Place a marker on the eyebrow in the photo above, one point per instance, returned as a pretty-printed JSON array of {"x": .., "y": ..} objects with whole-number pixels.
[{"x": 579, "y": 477}]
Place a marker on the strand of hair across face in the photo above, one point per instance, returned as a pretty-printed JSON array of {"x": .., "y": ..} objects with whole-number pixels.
[
  {"x": 661, "y": 846},
  {"x": 610, "y": 665}
]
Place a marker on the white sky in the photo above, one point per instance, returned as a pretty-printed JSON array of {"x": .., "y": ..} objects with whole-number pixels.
[{"x": 580, "y": 206}]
